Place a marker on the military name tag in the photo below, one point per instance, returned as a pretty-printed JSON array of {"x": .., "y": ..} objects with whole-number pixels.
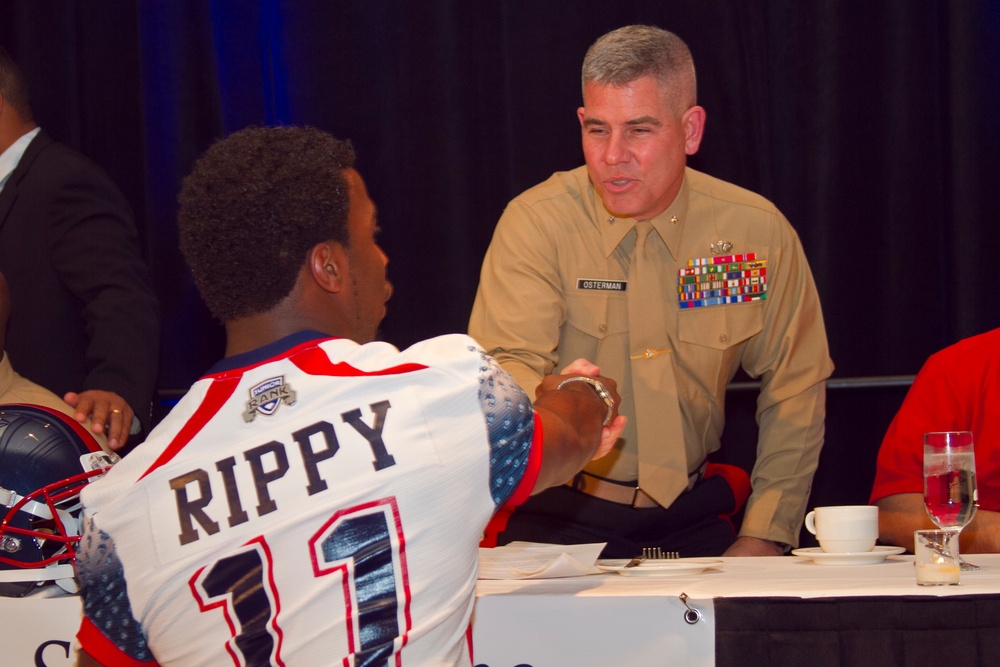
[{"x": 600, "y": 285}]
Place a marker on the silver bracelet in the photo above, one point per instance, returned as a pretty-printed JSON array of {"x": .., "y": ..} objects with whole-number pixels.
[{"x": 601, "y": 392}]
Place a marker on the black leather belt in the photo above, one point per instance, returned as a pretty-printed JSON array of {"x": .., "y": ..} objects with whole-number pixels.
[
  {"x": 616, "y": 492},
  {"x": 624, "y": 493}
]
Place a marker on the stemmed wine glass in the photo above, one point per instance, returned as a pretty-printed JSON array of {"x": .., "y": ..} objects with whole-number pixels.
[{"x": 950, "y": 481}]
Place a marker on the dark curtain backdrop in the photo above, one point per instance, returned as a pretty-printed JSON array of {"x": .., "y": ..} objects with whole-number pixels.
[{"x": 872, "y": 125}]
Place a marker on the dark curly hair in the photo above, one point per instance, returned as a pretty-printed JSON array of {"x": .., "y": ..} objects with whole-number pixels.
[{"x": 251, "y": 209}]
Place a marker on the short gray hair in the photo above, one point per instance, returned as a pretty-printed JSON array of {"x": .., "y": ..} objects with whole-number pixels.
[{"x": 626, "y": 54}]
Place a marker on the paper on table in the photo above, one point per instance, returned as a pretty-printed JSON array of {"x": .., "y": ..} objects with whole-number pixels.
[{"x": 533, "y": 560}]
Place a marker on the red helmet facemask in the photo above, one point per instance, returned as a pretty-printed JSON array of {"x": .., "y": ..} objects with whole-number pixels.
[{"x": 46, "y": 459}]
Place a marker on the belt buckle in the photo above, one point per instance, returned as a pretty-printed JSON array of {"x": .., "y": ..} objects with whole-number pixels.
[{"x": 635, "y": 497}]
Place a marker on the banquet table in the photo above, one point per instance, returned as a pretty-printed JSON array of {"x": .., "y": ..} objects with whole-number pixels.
[{"x": 753, "y": 611}]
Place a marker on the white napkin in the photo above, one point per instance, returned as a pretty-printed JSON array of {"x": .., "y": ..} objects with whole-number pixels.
[{"x": 533, "y": 560}]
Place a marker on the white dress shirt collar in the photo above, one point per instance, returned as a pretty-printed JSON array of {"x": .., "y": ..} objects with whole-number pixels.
[{"x": 10, "y": 157}]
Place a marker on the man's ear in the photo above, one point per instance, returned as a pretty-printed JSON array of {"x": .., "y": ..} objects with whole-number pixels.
[
  {"x": 693, "y": 122},
  {"x": 327, "y": 264}
]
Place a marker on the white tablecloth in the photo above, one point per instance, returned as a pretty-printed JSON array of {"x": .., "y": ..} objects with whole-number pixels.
[
  {"x": 764, "y": 577},
  {"x": 611, "y": 619},
  {"x": 605, "y": 619}
]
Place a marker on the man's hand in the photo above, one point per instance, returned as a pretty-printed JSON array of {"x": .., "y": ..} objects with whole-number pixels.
[
  {"x": 611, "y": 432},
  {"x": 108, "y": 413},
  {"x": 754, "y": 546},
  {"x": 571, "y": 416},
  {"x": 582, "y": 367}
]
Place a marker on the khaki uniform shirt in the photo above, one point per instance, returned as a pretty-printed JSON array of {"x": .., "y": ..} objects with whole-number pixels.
[{"x": 547, "y": 296}]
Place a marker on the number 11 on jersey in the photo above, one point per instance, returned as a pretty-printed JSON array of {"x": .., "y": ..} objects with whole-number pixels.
[{"x": 364, "y": 545}]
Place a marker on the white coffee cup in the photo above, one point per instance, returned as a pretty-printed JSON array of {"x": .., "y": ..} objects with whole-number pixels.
[{"x": 844, "y": 528}]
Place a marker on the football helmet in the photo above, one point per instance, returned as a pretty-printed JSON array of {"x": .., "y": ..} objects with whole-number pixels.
[{"x": 46, "y": 458}]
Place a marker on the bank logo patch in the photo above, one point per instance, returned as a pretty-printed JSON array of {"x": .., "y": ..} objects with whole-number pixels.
[{"x": 267, "y": 396}]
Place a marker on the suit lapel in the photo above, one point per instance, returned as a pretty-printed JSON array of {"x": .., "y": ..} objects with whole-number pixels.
[{"x": 9, "y": 193}]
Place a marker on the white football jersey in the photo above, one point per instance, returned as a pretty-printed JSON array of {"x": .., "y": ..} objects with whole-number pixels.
[{"x": 314, "y": 502}]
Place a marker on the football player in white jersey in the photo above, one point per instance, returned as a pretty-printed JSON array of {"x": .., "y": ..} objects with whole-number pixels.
[{"x": 316, "y": 498}]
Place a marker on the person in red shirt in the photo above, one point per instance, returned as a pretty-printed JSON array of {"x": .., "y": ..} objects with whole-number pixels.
[{"x": 958, "y": 389}]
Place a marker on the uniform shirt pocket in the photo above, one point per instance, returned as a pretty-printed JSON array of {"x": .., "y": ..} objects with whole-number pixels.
[
  {"x": 596, "y": 327},
  {"x": 720, "y": 327}
]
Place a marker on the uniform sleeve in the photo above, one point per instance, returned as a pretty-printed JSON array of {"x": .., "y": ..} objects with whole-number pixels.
[
  {"x": 791, "y": 357},
  {"x": 519, "y": 307},
  {"x": 931, "y": 404},
  {"x": 109, "y": 632},
  {"x": 514, "y": 435}
]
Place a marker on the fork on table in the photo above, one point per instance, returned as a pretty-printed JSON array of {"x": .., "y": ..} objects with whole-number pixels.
[{"x": 652, "y": 553}]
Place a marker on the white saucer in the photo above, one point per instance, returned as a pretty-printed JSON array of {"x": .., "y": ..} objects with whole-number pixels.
[
  {"x": 820, "y": 557},
  {"x": 671, "y": 567}
]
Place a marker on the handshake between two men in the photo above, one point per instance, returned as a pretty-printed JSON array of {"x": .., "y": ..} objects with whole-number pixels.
[{"x": 559, "y": 411}]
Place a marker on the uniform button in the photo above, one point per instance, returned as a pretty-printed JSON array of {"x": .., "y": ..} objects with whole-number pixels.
[
  {"x": 603, "y": 328},
  {"x": 723, "y": 338}
]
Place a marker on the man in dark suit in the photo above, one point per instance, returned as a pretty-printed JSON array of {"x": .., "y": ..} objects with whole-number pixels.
[{"x": 84, "y": 321}]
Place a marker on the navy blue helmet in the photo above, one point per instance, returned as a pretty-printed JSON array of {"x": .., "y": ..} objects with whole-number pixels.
[{"x": 46, "y": 458}]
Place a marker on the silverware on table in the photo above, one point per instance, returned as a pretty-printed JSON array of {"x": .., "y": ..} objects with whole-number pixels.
[{"x": 652, "y": 553}]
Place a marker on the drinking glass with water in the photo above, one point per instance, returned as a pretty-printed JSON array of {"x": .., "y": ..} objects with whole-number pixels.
[{"x": 950, "y": 481}]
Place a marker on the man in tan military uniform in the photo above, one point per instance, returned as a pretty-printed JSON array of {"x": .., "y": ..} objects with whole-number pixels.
[{"x": 718, "y": 281}]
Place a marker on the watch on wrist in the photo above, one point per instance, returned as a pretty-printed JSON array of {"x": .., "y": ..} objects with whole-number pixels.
[{"x": 601, "y": 392}]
